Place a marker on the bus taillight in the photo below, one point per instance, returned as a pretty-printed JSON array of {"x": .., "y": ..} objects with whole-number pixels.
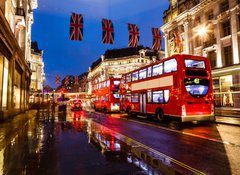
[
  {"x": 184, "y": 110},
  {"x": 212, "y": 109}
]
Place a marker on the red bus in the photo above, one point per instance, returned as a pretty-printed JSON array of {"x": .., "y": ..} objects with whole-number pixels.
[
  {"x": 106, "y": 95},
  {"x": 179, "y": 86}
]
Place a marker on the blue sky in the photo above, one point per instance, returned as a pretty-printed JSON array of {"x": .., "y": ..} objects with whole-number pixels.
[{"x": 65, "y": 57}]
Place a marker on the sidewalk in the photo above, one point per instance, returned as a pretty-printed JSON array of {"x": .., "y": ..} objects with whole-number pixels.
[
  {"x": 11, "y": 127},
  {"x": 227, "y": 115}
]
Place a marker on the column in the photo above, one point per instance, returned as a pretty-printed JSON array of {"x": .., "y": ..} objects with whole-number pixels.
[
  {"x": 235, "y": 47},
  {"x": 186, "y": 36},
  {"x": 219, "y": 45},
  {"x": 166, "y": 44}
]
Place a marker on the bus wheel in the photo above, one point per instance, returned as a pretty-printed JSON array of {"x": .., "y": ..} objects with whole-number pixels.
[{"x": 159, "y": 115}]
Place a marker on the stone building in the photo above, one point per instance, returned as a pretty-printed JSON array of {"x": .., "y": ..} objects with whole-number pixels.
[
  {"x": 37, "y": 68},
  {"x": 209, "y": 28},
  {"x": 16, "y": 18},
  {"x": 116, "y": 62}
]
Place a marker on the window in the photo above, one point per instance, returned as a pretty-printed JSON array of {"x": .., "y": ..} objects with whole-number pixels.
[
  {"x": 157, "y": 96},
  {"x": 170, "y": 66},
  {"x": 108, "y": 83},
  {"x": 166, "y": 95},
  {"x": 142, "y": 74},
  {"x": 149, "y": 96},
  {"x": 212, "y": 58},
  {"x": 134, "y": 76},
  {"x": 157, "y": 69},
  {"x": 149, "y": 72},
  {"x": 128, "y": 78},
  {"x": 194, "y": 64},
  {"x": 224, "y": 6},
  {"x": 226, "y": 28},
  {"x": 135, "y": 97},
  {"x": 228, "y": 57},
  {"x": 5, "y": 82}
]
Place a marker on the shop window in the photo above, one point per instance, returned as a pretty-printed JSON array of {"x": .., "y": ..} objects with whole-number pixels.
[
  {"x": 226, "y": 93},
  {"x": 5, "y": 83},
  {"x": 228, "y": 57}
]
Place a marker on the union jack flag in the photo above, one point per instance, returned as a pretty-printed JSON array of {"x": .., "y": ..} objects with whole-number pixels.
[
  {"x": 133, "y": 35},
  {"x": 107, "y": 31},
  {"x": 66, "y": 80},
  {"x": 57, "y": 79},
  {"x": 157, "y": 39},
  {"x": 76, "y": 79},
  {"x": 76, "y": 27}
]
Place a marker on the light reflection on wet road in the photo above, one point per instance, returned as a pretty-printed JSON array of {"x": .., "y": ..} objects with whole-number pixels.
[
  {"x": 69, "y": 144},
  {"x": 66, "y": 145}
]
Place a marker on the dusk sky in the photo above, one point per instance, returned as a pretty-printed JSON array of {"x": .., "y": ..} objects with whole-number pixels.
[{"x": 65, "y": 57}]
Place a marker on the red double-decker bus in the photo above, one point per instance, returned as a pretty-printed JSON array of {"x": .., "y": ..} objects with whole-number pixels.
[
  {"x": 179, "y": 86},
  {"x": 106, "y": 95}
]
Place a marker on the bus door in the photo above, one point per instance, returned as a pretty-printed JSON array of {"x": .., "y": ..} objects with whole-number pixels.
[{"x": 143, "y": 100}]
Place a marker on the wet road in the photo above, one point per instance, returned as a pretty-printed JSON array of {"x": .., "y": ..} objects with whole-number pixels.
[
  {"x": 210, "y": 148},
  {"x": 72, "y": 144}
]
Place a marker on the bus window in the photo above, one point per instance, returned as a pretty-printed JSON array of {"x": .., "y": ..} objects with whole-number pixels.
[
  {"x": 157, "y": 69},
  {"x": 128, "y": 78},
  {"x": 158, "y": 96},
  {"x": 166, "y": 96},
  {"x": 108, "y": 83},
  {"x": 116, "y": 84},
  {"x": 134, "y": 76},
  {"x": 194, "y": 64},
  {"x": 170, "y": 66},
  {"x": 116, "y": 94},
  {"x": 135, "y": 97},
  {"x": 142, "y": 74},
  {"x": 149, "y": 96},
  {"x": 197, "y": 87},
  {"x": 149, "y": 72}
]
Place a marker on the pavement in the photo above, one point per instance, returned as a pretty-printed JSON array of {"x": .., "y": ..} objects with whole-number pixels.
[{"x": 226, "y": 115}]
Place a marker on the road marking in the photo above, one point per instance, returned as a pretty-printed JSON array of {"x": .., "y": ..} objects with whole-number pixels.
[
  {"x": 181, "y": 132},
  {"x": 185, "y": 133}
]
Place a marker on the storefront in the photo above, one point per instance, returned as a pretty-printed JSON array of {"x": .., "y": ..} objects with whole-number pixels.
[{"x": 226, "y": 84}]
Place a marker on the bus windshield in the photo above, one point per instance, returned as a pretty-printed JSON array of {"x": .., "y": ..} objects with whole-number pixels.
[{"x": 197, "y": 87}]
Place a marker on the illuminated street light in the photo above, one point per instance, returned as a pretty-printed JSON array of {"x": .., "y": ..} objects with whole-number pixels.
[{"x": 202, "y": 31}]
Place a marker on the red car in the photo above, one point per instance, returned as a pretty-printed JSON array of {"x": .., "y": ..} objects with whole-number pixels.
[{"x": 76, "y": 105}]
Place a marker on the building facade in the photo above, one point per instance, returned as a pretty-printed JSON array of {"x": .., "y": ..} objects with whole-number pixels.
[
  {"x": 37, "y": 68},
  {"x": 210, "y": 28},
  {"x": 116, "y": 62},
  {"x": 16, "y": 18}
]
